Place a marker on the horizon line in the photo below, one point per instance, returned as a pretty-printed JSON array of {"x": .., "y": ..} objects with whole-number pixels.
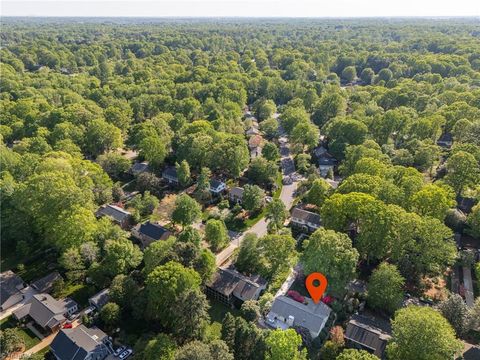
[{"x": 245, "y": 17}]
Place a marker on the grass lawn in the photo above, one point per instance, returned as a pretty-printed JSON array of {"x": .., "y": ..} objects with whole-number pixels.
[
  {"x": 279, "y": 184},
  {"x": 78, "y": 292},
  {"x": 43, "y": 353},
  {"x": 28, "y": 337},
  {"x": 218, "y": 310}
]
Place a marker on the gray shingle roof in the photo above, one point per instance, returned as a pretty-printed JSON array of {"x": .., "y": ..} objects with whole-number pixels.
[
  {"x": 310, "y": 316},
  {"x": 307, "y": 216},
  {"x": 170, "y": 172},
  {"x": 237, "y": 192},
  {"x": 228, "y": 282},
  {"x": 327, "y": 159},
  {"x": 214, "y": 183},
  {"x": 116, "y": 213},
  {"x": 45, "y": 284},
  {"x": 100, "y": 299},
  {"x": 44, "y": 309},
  {"x": 9, "y": 285},
  {"x": 76, "y": 343},
  {"x": 139, "y": 167},
  {"x": 154, "y": 231}
]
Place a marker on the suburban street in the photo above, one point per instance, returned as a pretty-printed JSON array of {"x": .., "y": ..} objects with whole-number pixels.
[{"x": 286, "y": 195}]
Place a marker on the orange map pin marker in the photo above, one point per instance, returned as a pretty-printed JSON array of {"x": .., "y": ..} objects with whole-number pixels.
[{"x": 316, "y": 291}]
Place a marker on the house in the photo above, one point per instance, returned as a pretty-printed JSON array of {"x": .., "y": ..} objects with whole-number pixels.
[
  {"x": 307, "y": 220},
  {"x": 319, "y": 151},
  {"x": 169, "y": 174},
  {"x": 445, "y": 141},
  {"x": 233, "y": 288},
  {"x": 81, "y": 343},
  {"x": 46, "y": 312},
  {"x": 470, "y": 352},
  {"x": 217, "y": 186},
  {"x": 465, "y": 204},
  {"x": 236, "y": 194},
  {"x": 139, "y": 168},
  {"x": 251, "y": 131},
  {"x": 149, "y": 232},
  {"x": 368, "y": 333},
  {"x": 45, "y": 284},
  {"x": 99, "y": 299},
  {"x": 326, "y": 162},
  {"x": 10, "y": 289},
  {"x": 255, "y": 142},
  {"x": 286, "y": 312},
  {"x": 118, "y": 215}
]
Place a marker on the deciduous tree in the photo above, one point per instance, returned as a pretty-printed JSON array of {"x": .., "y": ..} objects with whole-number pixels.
[
  {"x": 414, "y": 323},
  {"x": 332, "y": 254},
  {"x": 187, "y": 210},
  {"x": 385, "y": 288},
  {"x": 284, "y": 345}
]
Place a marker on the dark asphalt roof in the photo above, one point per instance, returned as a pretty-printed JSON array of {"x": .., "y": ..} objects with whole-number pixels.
[
  {"x": 139, "y": 167},
  {"x": 44, "y": 309},
  {"x": 368, "y": 332},
  {"x": 76, "y": 343},
  {"x": 100, "y": 298},
  {"x": 45, "y": 284},
  {"x": 154, "y": 231},
  {"x": 170, "y": 172},
  {"x": 228, "y": 282},
  {"x": 9, "y": 283},
  {"x": 214, "y": 183},
  {"x": 327, "y": 161}
]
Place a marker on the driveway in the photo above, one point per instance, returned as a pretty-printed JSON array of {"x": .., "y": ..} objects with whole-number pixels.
[{"x": 28, "y": 292}]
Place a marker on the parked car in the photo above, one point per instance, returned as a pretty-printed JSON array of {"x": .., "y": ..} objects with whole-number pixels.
[
  {"x": 287, "y": 180},
  {"x": 120, "y": 350},
  {"x": 125, "y": 354},
  {"x": 67, "y": 326}
]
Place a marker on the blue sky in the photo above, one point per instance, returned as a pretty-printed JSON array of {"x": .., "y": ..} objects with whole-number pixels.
[{"x": 242, "y": 8}]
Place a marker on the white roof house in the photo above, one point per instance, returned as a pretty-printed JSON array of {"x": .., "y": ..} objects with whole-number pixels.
[{"x": 286, "y": 312}]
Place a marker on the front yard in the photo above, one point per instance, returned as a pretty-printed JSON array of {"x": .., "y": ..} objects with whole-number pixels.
[{"x": 28, "y": 337}]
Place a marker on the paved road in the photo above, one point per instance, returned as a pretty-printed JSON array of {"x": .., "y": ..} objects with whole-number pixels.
[
  {"x": 28, "y": 292},
  {"x": 286, "y": 195}
]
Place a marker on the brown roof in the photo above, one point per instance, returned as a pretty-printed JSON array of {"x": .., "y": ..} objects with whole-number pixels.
[
  {"x": 228, "y": 282},
  {"x": 255, "y": 141}
]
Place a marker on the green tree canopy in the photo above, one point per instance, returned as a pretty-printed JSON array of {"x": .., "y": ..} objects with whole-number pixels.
[
  {"x": 331, "y": 254},
  {"x": 414, "y": 323}
]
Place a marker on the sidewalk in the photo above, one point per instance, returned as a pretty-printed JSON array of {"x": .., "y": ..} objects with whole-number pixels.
[{"x": 41, "y": 345}]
